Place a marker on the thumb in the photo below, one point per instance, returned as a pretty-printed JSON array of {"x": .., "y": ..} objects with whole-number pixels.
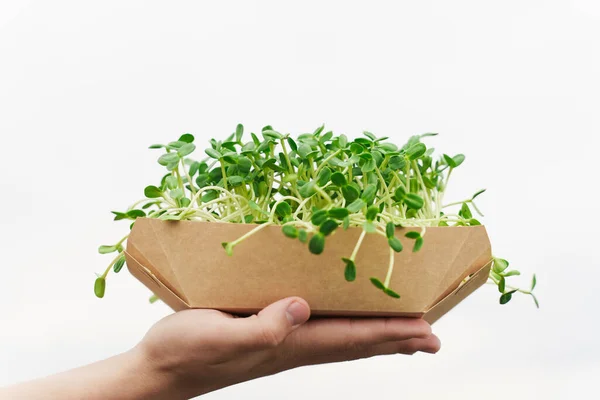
[{"x": 275, "y": 322}]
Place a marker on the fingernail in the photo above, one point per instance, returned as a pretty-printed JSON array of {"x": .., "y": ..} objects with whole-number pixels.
[{"x": 297, "y": 313}]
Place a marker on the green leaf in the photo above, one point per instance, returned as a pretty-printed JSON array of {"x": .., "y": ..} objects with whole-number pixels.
[
  {"x": 511, "y": 273},
  {"x": 105, "y": 249},
  {"x": 171, "y": 182},
  {"x": 397, "y": 163},
  {"x": 533, "y": 283},
  {"x": 413, "y": 235},
  {"x": 370, "y": 135},
  {"x": 292, "y": 144},
  {"x": 194, "y": 167},
  {"x": 235, "y": 180},
  {"x": 318, "y": 217},
  {"x": 202, "y": 180},
  {"x": 395, "y": 244},
  {"x": 271, "y": 134},
  {"x": 302, "y": 235},
  {"x": 391, "y": 293},
  {"x": 368, "y": 195},
  {"x": 318, "y": 131},
  {"x": 176, "y": 194},
  {"x": 388, "y": 147},
  {"x": 256, "y": 207},
  {"x": 307, "y": 190},
  {"x": 328, "y": 226},
  {"x": 500, "y": 265},
  {"x": 458, "y": 159},
  {"x": 289, "y": 230},
  {"x": 304, "y": 150},
  {"x": 474, "y": 222},
  {"x": 119, "y": 264},
  {"x": 495, "y": 275},
  {"x": 372, "y": 213},
  {"x": 283, "y": 209},
  {"x": 133, "y": 214},
  {"x": 338, "y": 179},
  {"x": 228, "y": 248},
  {"x": 186, "y": 149},
  {"x": 343, "y": 141},
  {"x": 416, "y": 151},
  {"x": 119, "y": 215},
  {"x": 186, "y": 137},
  {"x": 324, "y": 176},
  {"x": 229, "y": 146},
  {"x": 365, "y": 142},
  {"x": 230, "y": 157},
  {"x": 175, "y": 145},
  {"x": 356, "y": 148},
  {"x": 350, "y": 270},
  {"x": 239, "y": 132},
  {"x": 156, "y": 146},
  {"x": 369, "y": 227},
  {"x": 400, "y": 193},
  {"x": 478, "y": 193},
  {"x": 449, "y": 161},
  {"x": 152, "y": 192},
  {"x": 535, "y": 300},
  {"x": 184, "y": 202},
  {"x": 338, "y": 213},
  {"x": 356, "y": 205},
  {"x": 317, "y": 243},
  {"x": 413, "y": 201},
  {"x": 505, "y": 298},
  {"x": 390, "y": 229},
  {"x": 346, "y": 223},
  {"x": 418, "y": 244},
  {"x": 369, "y": 165},
  {"x": 212, "y": 153},
  {"x": 377, "y": 283},
  {"x": 100, "y": 287},
  {"x": 502, "y": 284},
  {"x": 429, "y": 184},
  {"x": 248, "y": 148},
  {"x": 244, "y": 164},
  {"x": 167, "y": 159},
  {"x": 350, "y": 193},
  {"x": 210, "y": 196},
  {"x": 465, "y": 211}
]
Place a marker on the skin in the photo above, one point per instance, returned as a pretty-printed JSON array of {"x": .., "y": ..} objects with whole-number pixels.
[{"x": 194, "y": 352}]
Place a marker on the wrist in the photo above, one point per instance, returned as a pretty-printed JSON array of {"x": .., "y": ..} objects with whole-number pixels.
[{"x": 157, "y": 379}]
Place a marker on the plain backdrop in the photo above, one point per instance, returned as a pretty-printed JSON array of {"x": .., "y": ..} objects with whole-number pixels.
[{"x": 85, "y": 87}]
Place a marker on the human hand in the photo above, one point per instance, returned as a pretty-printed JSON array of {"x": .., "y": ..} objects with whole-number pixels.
[{"x": 198, "y": 351}]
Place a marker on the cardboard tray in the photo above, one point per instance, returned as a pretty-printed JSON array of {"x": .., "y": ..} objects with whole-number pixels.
[{"x": 184, "y": 264}]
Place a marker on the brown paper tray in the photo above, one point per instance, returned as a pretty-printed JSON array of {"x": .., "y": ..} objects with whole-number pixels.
[{"x": 184, "y": 264}]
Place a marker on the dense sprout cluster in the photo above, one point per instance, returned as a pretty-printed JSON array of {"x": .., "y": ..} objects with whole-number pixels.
[{"x": 311, "y": 186}]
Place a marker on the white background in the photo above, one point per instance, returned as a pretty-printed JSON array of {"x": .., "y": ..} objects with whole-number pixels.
[{"x": 85, "y": 87}]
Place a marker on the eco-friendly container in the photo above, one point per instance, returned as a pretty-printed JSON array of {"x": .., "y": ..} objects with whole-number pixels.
[{"x": 185, "y": 265}]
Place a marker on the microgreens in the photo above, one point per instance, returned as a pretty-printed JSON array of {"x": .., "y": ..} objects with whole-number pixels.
[{"x": 311, "y": 186}]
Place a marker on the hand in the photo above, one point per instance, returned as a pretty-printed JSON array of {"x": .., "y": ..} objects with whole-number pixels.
[{"x": 198, "y": 351}]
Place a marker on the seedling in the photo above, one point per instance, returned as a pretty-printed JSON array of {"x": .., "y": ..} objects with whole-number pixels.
[{"x": 311, "y": 185}]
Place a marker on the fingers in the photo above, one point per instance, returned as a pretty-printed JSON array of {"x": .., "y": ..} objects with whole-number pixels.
[
  {"x": 430, "y": 344},
  {"x": 326, "y": 336},
  {"x": 273, "y": 324}
]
